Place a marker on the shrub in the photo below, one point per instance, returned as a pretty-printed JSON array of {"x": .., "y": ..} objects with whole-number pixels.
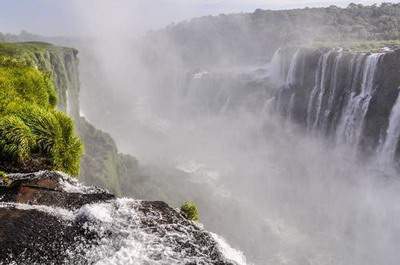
[
  {"x": 190, "y": 211},
  {"x": 4, "y": 178},
  {"x": 54, "y": 136},
  {"x": 16, "y": 139},
  {"x": 69, "y": 148}
]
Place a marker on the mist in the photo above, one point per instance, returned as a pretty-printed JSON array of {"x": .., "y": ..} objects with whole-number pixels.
[{"x": 278, "y": 194}]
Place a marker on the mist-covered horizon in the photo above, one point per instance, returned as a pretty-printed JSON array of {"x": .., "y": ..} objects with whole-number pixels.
[{"x": 62, "y": 18}]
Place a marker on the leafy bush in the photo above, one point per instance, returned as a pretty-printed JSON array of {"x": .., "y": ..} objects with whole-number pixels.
[{"x": 190, "y": 211}]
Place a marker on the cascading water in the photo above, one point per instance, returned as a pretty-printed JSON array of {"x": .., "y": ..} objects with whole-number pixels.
[
  {"x": 332, "y": 93},
  {"x": 320, "y": 89},
  {"x": 357, "y": 107},
  {"x": 277, "y": 69},
  {"x": 314, "y": 92},
  {"x": 388, "y": 149},
  {"x": 293, "y": 68},
  {"x": 346, "y": 121},
  {"x": 291, "y": 107},
  {"x": 333, "y": 87}
]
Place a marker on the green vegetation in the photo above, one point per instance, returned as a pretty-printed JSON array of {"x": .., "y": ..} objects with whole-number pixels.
[
  {"x": 189, "y": 209},
  {"x": 4, "y": 178},
  {"x": 58, "y": 63},
  {"x": 33, "y": 134},
  {"x": 249, "y": 37},
  {"x": 361, "y": 46}
]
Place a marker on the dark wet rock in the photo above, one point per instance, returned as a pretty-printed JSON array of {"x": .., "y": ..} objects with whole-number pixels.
[
  {"x": 48, "y": 218},
  {"x": 387, "y": 90},
  {"x": 36, "y": 237},
  {"x": 46, "y": 188}
]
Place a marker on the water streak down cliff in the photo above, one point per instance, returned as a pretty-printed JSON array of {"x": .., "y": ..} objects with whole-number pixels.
[{"x": 347, "y": 97}]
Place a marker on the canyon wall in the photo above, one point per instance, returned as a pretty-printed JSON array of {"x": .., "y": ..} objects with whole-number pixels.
[{"x": 346, "y": 96}]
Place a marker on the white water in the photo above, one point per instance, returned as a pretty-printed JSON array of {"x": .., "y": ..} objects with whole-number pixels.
[
  {"x": 321, "y": 98},
  {"x": 352, "y": 122},
  {"x": 321, "y": 89},
  {"x": 388, "y": 150},
  {"x": 314, "y": 92},
  {"x": 229, "y": 252},
  {"x": 125, "y": 241},
  {"x": 332, "y": 92},
  {"x": 277, "y": 69},
  {"x": 293, "y": 68}
]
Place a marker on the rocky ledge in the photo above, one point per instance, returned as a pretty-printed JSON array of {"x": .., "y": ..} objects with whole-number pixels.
[{"x": 49, "y": 218}]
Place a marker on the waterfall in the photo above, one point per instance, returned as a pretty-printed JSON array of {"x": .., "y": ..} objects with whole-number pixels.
[
  {"x": 338, "y": 96},
  {"x": 387, "y": 151},
  {"x": 286, "y": 78},
  {"x": 354, "y": 115},
  {"x": 320, "y": 88},
  {"x": 314, "y": 92},
  {"x": 332, "y": 93},
  {"x": 277, "y": 69},
  {"x": 346, "y": 118},
  {"x": 291, "y": 75},
  {"x": 290, "y": 109}
]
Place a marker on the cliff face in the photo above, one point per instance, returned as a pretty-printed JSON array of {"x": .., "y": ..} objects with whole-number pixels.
[
  {"x": 102, "y": 164},
  {"x": 348, "y": 97},
  {"x": 61, "y": 62}
]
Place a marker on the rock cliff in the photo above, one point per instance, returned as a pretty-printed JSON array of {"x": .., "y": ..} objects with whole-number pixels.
[{"x": 347, "y": 96}]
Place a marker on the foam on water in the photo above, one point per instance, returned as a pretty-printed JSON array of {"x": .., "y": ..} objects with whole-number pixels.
[
  {"x": 229, "y": 252},
  {"x": 55, "y": 211}
]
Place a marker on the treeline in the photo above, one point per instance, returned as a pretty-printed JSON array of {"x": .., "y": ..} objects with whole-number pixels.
[{"x": 255, "y": 36}]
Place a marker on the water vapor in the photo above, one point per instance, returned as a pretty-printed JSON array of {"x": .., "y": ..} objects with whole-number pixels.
[{"x": 278, "y": 194}]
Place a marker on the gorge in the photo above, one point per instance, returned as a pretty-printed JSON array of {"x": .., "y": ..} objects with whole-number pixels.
[{"x": 282, "y": 126}]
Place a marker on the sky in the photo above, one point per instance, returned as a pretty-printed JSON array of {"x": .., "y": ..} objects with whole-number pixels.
[{"x": 63, "y": 17}]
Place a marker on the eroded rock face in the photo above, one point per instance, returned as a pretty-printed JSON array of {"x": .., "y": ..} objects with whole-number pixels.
[{"x": 47, "y": 218}]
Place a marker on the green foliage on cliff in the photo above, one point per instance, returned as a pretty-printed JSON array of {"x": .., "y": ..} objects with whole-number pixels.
[
  {"x": 4, "y": 179},
  {"x": 33, "y": 134},
  {"x": 58, "y": 63},
  {"x": 361, "y": 46},
  {"x": 189, "y": 209}
]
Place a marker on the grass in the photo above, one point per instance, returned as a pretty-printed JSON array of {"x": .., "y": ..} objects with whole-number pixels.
[{"x": 30, "y": 125}]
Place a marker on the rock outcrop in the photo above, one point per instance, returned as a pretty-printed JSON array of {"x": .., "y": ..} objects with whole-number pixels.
[{"x": 48, "y": 218}]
